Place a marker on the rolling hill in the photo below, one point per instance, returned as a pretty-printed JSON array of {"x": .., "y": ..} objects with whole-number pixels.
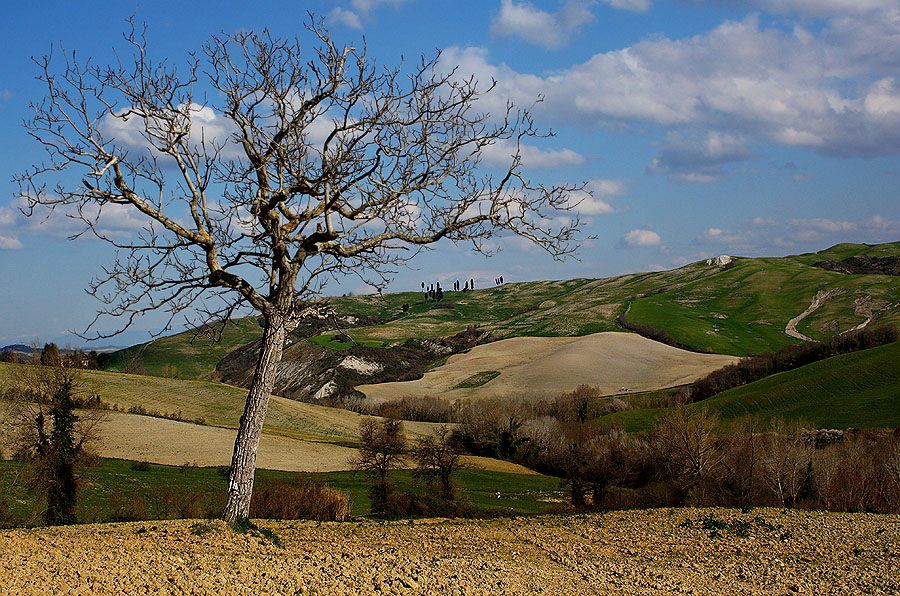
[
  {"x": 739, "y": 308},
  {"x": 858, "y": 390}
]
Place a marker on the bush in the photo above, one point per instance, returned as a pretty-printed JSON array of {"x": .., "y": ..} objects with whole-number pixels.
[
  {"x": 127, "y": 508},
  {"x": 302, "y": 498}
]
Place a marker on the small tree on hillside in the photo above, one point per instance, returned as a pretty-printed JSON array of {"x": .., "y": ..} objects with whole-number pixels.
[
  {"x": 53, "y": 438},
  {"x": 438, "y": 458},
  {"x": 688, "y": 437},
  {"x": 381, "y": 453},
  {"x": 267, "y": 166},
  {"x": 50, "y": 355}
]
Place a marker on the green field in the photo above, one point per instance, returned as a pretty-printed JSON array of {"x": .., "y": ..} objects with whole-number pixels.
[
  {"x": 200, "y": 490},
  {"x": 186, "y": 355},
  {"x": 858, "y": 390},
  {"x": 744, "y": 310},
  {"x": 739, "y": 310}
]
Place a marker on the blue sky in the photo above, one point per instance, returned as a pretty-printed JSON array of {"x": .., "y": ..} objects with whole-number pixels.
[{"x": 743, "y": 127}]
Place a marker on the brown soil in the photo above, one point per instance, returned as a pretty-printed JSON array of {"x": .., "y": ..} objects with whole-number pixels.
[
  {"x": 169, "y": 442},
  {"x": 161, "y": 441},
  {"x": 539, "y": 367},
  {"x": 634, "y": 552}
]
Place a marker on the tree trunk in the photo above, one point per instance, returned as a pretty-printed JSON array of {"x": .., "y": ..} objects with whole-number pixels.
[{"x": 246, "y": 445}]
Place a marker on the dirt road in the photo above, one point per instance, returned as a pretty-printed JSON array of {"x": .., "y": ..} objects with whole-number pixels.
[{"x": 681, "y": 551}]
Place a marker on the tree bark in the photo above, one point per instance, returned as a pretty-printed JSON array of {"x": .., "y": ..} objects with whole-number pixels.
[{"x": 246, "y": 445}]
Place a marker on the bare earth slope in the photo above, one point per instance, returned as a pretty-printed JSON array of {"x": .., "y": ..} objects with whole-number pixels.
[
  {"x": 174, "y": 443},
  {"x": 548, "y": 366},
  {"x": 765, "y": 552},
  {"x": 156, "y": 440}
]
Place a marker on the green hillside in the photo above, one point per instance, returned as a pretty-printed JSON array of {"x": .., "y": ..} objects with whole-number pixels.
[
  {"x": 743, "y": 310},
  {"x": 740, "y": 309},
  {"x": 858, "y": 390},
  {"x": 186, "y": 355}
]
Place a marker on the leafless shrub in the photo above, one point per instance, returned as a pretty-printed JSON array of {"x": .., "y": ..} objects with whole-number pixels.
[
  {"x": 687, "y": 438},
  {"x": 437, "y": 460},
  {"x": 381, "y": 452},
  {"x": 786, "y": 458},
  {"x": 737, "y": 483},
  {"x": 301, "y": 498}
]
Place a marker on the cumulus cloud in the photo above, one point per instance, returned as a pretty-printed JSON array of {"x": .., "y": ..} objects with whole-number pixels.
[
  {"x": 549, "y": 30},
  {"x": 500, "y": 155},
  {"x": 689, "y": 159},
  {"x": 641, "y": 238},
  {"x": 9, "y": 243},
  {"x": 598, "y": 201},
  {"x": 835, "y": 90},
  {"x": 203, "y": 124},
  {"x": 358, "y": 11},
  {"x": 632, "y": 5},
  {"x": 113, "y": 221},
  {"x": 759, "y": 235},
  {"x": 822, "y": 7},
  {"x": 345, "y": 17}
]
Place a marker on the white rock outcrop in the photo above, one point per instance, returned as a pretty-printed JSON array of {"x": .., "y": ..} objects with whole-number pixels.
[
  {"x": 361, "y": 366},
  {"x": 720, "y": 260}
]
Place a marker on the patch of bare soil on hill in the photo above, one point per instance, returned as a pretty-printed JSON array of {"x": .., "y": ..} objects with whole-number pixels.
[
  {"x": 549, "y": 366},
  {"x": 684, "y": 551},
  {"x": 160, "y": 441},
  {"x": 156, "y": 440}
]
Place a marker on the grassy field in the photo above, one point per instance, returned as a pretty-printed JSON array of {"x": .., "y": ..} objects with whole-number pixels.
[
  {"x": 739, "y": 310},
  {"x": 213, "y": 404},
  {"x": 187, "y": 355},
  {"x": 163, "y": 488},
  {"x": 858, "y": 390},
  {"x": 745, "y": 311}
]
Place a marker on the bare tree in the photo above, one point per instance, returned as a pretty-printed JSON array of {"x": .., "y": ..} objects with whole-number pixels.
[
  {"x": 438, "y": 458},
  {"x": 381, "y": 451},
  {"x": 786, "y": 455},
  {"x": 688, "y": 438},
  {"x": 266, "y": 167}
]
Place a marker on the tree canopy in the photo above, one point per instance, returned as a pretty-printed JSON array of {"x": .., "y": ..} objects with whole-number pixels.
[{"x": 264, "y": 167}]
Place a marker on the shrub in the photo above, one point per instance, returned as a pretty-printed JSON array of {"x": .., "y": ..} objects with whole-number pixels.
[
  {"x": 128, "y": 508},
  {"x": 381, "y": 452},
  {"x": 302, "y": 498}
]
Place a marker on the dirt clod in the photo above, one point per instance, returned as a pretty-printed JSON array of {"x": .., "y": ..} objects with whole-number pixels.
[{"x": 633, "y": 552}]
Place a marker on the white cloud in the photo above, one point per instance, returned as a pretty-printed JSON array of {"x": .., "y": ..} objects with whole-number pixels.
[
  {"x": 835, "y": 90},
  {"x": 549, "y": 30},
  {"x": 9, "y": 243},
  {"x": 642, "y": 238},
  {"x": 632, "y": 5},
  {"x": 689, "y": 159},
  {"x": 345, "y": 17},
  {"x": 114, "y": 221},
  {"x": 598, "y": 201},
  {"x": 203, "y": 124},
  {"x": 822, "y": 7},
  {"x": 359, "y": 11},
  {"x": 759, "y": 235},
  {"x": 500, "y": 155}
]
